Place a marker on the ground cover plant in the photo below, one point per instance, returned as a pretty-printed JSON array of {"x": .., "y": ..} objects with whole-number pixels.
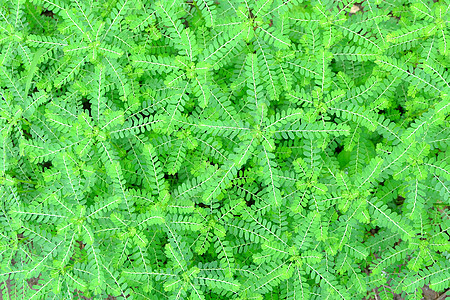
[{"x": 229, "y": 149}]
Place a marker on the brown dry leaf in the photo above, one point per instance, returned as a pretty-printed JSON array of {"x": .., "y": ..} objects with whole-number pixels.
[{"x": 355, "y": 8}]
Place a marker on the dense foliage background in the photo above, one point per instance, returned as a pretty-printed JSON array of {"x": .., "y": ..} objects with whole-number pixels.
[{"x": 230, "y": 149}]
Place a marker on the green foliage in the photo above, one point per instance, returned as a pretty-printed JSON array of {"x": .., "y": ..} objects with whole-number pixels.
[{"x": 224, "y": 149}]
